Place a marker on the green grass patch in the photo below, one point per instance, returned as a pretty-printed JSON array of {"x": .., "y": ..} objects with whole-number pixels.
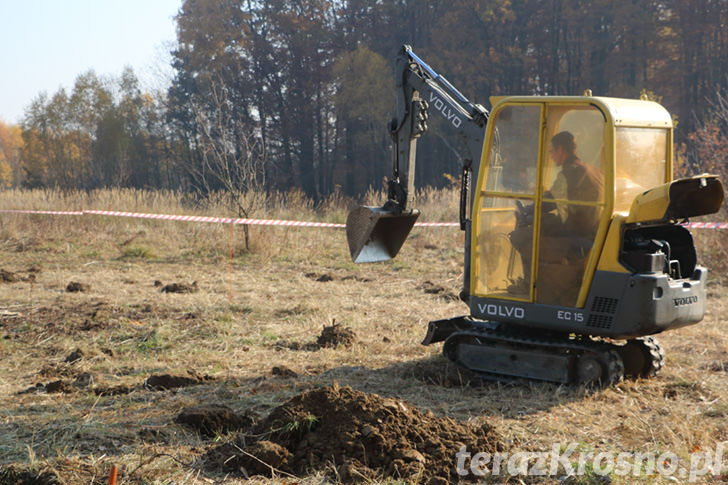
[{"x": 137, "y": 252}]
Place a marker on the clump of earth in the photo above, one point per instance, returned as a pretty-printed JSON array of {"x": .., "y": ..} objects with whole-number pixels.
[
  {"x": 8, "y": 276},
  {"x": 180, "y": 288},
  {"x": 214, "y": 419},
  {"x": 84, "y": 380},
  {"x": 331, "y": 336},
  {"x": 361, "y": 436},
  {"x": 336, "y": 335},
  {"x": 12, "y": 474},
  {"x": 77, "y": 287}
]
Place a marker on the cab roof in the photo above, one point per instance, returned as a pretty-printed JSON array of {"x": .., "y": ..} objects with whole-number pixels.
[{"x": 618, "y": 111}]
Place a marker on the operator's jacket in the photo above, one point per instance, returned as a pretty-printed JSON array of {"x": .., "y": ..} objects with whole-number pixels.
[
  {"x": 575, "y": 225},
  {"x": 583, "y": 182},
  {"x": 567, "y": 233},
  {"x": 567, "y": 230}
]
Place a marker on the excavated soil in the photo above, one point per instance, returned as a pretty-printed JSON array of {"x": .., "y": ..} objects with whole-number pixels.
[
  {"x": 8, "y": 276},
  {"x": 213, "y": 419},
  {"x": 13, "y": 277},
  {"x": 354, "y": 436},
  {"x": 14, "y": 475},
  {"x": 331, "y": 336},
  {"x": 77, "y": 287},
  {"x": 74, "y": 380},
  {"x": 180, "y": 288},
  {"x": 336, "y": 335},
  {"x": 165, "y": 381}
]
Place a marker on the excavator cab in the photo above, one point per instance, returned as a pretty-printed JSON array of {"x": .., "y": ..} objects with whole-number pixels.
[
  {"x": 535, "y": 238},
  {"x": 576, "y": 233},
  {"x": 550, "y": 235}
]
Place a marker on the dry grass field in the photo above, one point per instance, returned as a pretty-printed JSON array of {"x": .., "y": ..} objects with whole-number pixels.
[{"x": 112, "y": 330}]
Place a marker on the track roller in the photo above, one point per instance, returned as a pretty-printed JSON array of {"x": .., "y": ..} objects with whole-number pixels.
[{"x": 604, "y": 368}]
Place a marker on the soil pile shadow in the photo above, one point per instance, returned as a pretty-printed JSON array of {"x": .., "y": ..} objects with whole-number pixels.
[
  {"x": 362, "y": 436},
  {"x": 163, "y": 382}
]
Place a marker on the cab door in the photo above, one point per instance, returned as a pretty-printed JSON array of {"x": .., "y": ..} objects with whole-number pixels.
[
  {"x": 509, "y": 181},
  {"x": 572, "y": 199},
  {"x": 530, "y": 236}
]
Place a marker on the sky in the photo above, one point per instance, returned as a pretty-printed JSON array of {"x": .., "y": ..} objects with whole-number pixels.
[{"x": 46, "y": 44}]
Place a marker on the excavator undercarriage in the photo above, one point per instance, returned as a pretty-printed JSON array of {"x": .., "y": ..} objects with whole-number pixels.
[{"x": 501, "y": 352}]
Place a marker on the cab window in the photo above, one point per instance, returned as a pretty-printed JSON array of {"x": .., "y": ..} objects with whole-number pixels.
[
  {"x": 510, "y": 182},
  {"x": 572, "y": 201},
  {"x": 641, "y": 161}
]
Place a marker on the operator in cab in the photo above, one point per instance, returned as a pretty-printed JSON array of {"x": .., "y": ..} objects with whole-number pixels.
[
  {"x": 577, "y": 181},
  {"x": 567, "y": 229}
]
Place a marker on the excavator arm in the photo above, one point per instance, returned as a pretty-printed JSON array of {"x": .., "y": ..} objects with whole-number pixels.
[
  {"x": 419, "y": 90},
  {"x": 377, "y": 233}
]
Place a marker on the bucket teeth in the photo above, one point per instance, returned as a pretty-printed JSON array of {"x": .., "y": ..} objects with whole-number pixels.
[{"x": 377, "y": 234}]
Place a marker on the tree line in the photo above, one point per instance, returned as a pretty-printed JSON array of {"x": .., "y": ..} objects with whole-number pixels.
[{"x": 300, "y": 92}]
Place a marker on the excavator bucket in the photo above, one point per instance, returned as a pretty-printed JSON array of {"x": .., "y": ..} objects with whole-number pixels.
[{"x": 377, "y": 234}]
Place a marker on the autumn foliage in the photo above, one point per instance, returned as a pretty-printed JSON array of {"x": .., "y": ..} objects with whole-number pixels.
[{"x": 310, "y": 85}]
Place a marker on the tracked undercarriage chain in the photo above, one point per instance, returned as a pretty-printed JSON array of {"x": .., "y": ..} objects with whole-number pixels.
[
  {"x": 642, "y": 357},
  {"x": 507, "y": 354}
]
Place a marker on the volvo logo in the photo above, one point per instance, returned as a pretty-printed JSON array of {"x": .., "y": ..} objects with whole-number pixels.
[
  {"x": 686, "y": 300},
  {"x": 448, "y": 113},
  {"x": 493, "y": 310}
]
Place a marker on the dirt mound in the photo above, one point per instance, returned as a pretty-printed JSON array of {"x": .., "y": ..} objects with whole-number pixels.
[
  {"x": 323, "y": 278},
  {"x": 431, "y": 288},
  {"x": 12, "y": 475},
  {"x": 331, "y": 336},
  {"x": 76, "y": 287},
  {"x": 213, "y": 419},
  {"x": 82, "y": 380},
  {"x": 364, "y": 436},
  {"x": 76, "y": 380},
  {"x": 180, "y": 288},
  {"x": 336, "y": 335},
  {"x": 162, "y": 382},
  {"x": 283, "y": 371},
  {"x": 8, "y": 276},
  {"x": 74, "y": 356}
]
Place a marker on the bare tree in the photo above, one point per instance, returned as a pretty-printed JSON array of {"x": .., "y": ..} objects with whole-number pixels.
[{"x": 232, "y": 155}]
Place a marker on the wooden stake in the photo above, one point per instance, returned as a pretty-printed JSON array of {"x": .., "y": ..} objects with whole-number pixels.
[{"x": 112, "y": 475}]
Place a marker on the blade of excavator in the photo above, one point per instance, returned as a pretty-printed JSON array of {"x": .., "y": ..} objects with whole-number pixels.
[{"x": 377, "y": 234}]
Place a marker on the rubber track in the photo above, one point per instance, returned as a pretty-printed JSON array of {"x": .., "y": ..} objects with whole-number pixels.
[{"x": 605, "y": 352}]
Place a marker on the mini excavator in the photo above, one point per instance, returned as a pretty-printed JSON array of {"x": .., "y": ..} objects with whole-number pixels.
[{"x": 563, "y": 284}]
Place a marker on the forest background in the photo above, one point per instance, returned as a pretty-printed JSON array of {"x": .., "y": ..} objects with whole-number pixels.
[{"x": 276, "y": 95}]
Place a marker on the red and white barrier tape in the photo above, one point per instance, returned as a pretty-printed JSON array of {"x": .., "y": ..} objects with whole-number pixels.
[
  {"x": 218, "y": 220},
  {"x": 266, "y": 222},
  {"x": 707, "y": 225},
  {"x": 52, "y": 213},
  {"x": 171, "y": 217}
]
